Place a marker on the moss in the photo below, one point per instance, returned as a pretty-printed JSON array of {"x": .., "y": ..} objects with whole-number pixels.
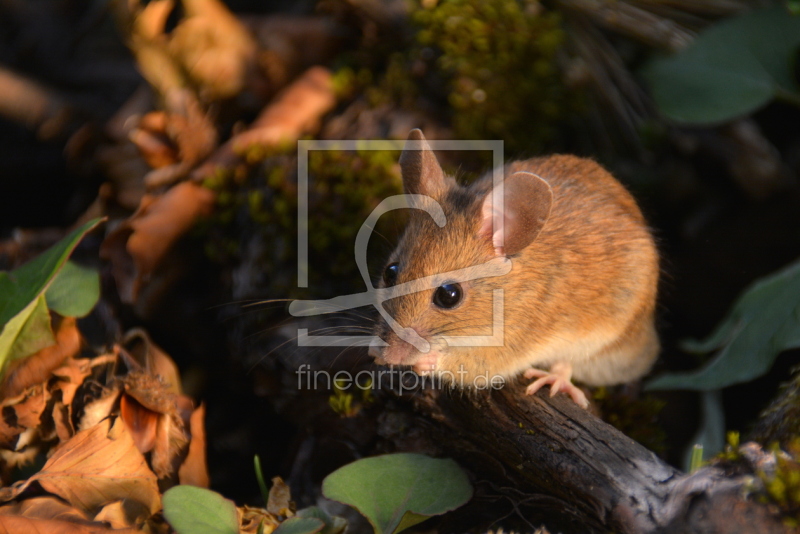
[
  {"x": 782, "y": 486},
  {"x": 344, "y": 188},
  {"x": 500, "y": 59}
]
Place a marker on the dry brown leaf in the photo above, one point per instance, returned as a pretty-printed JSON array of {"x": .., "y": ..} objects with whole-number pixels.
[
  {"x": 155, "y": 148},
  {"x": 99, "y": 409},
  {"x": 72, "y": 375},
  {"x": 215, "y": 48},
  {"x": 138, "y": 245},
  {"x": 169, "y": 441},
  {"x": 194, "y": 470},
  {"x": 46, "y": 507},
  {"x": 294, "y": 112},
  {"x": 21, "y": 413},
  {"x": 153, "y": 359},
  {"x": 12, "y": 524},
  {"x": 123, "y": 514},
  {"x": 98, "y": 466},
  {"x": 141, "y": 422},
  {"x": 280, "y": 498},
  {"x": 37, "y": 367},
  {"x": 252, "y": 518},
  {"x": 170, "y": 447},
  {"x": 62, "y": 423}
]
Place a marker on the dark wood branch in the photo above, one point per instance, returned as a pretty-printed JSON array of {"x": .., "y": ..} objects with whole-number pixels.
[
  {"x": 588, "y": 475},
  {"x": 556, "y": 464}
]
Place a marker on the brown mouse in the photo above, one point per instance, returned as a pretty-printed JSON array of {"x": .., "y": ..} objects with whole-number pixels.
[{"x": 578, "y": 301}]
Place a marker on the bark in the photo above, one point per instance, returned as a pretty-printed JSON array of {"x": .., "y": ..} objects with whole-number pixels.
[
  {"x": 554, "y": 463},
  {"x": 577, "y": 473}
]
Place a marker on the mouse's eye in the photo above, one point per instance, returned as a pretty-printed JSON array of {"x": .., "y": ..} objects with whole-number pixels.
[
  {"x": 448, "y": 295},
  {"x": 390, "y": 274}
]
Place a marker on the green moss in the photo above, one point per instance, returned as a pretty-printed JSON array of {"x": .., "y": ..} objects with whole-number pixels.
[
  {"x": 782, "y": 487},
  {"x": 500, "y": 59},
  {"x": 344, "y": 188}
]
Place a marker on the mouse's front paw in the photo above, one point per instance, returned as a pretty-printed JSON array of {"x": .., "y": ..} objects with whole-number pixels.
[{"x": 559, "y": 378}]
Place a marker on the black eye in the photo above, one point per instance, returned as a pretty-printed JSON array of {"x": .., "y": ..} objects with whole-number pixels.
[
  {"x": 390, "y": 274},
  {"x": 448, "y": 295}
]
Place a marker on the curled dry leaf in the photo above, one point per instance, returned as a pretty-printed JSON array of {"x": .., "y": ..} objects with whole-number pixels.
[
  {"x": 123, "y": 514},
  {"x": 294, "y": 112},
  {"x": 252, "y": 518},
  {"x": 138, "y": 245},
  {"x": 190, "y": 132},
  {"x": 141, "y": 422},
  {"x": 47, "y": 507},
  {"x": 98, "y": 466},
  {"x": 194, "y": 470},
  {"x": 21, "y": 413},
  {"x": 150, "y": 410},
  {"x": 13, "y": 524},
  {"x": 37, "y": 367},
  {"x": 280, "y": 498},
  {"x": 152, "y": 358}
]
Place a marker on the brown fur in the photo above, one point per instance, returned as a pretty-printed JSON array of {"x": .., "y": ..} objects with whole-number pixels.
[{"x": 582, "y": 292}]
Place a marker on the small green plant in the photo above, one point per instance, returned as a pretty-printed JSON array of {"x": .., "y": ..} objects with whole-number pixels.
[
  {"x": 48, "y": 282},
  {"x": 189, "y": 510},
  {"x": 697, "y": 458},
  {"x": 397, "y": 491}
]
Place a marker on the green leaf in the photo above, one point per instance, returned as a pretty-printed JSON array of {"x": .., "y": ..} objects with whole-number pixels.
[
  {"x": 300, "y": 525},
  {"x": 190, "y": 510},
  {"x": 74, "y": 291},
  {"x": 397, "y": 491},
  {"x": 27, "y": 332},
  {"x": 22, "y": 315},
  {"x": 333, "y": 525},
  {"x": 21, "y": 286},
  {"x": 764, "y": 321},
  {"x": 729, "y": 70}
]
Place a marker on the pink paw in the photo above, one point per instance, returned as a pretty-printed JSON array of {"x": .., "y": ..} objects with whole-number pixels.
[{"x": 559, "y": 379}]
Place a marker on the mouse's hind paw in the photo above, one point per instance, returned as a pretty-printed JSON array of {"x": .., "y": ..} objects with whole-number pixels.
[{"x": 559, "y": 378}]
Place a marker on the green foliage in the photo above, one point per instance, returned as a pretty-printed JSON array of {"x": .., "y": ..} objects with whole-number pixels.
[
  {"x": 344, "y": 188},
  {"x": 189, "y": 510},
  {"x": 333, "y": 525},
  {"x": 300, "y": 525},
  {"x": 730, "y": 70},
  {"x": 342, "y": 399},
  {"x": 731, "y": 453},
  {"x": 764, "y": 321},
  {"x": 74, "y": 291},
  {"x": 27, "y": 291},
  {"x": 262, "y": 485},
  {"x": 499, "y": 56},
  {"x": 697, "y": 458},
  {"x": 782, "y": 487},
  {"x": 397, "y": 491}
]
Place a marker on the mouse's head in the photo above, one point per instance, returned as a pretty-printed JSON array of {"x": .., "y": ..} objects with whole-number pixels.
[{"x": 485, "y": 227}]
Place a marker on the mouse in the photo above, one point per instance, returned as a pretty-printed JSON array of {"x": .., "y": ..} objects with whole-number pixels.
[{"x": 578, "y": 280}]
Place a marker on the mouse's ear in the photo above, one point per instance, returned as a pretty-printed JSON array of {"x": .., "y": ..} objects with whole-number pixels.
[
  {"x": 523, "y": 207},
  {"x": 422, "y": 174}
]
